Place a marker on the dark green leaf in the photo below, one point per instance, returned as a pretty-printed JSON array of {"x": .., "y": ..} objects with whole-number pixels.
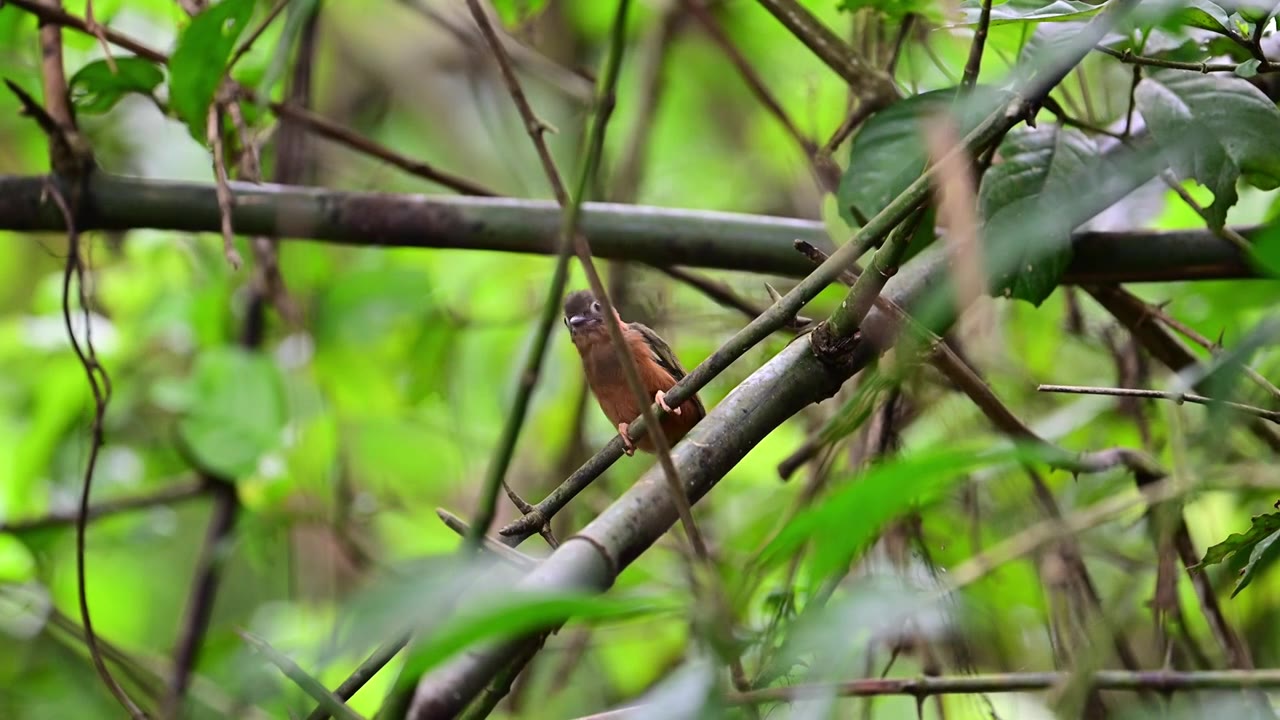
[
  {"x": 200, "y": 60},
  {"x": 1261, "y": 527},
  {"x": 1037, "y": 169},
  {"x": 889, "y": 152},
  {"x": 1030, "y": 11},
  {"x": 1262, "y": 557},
  {"x": 95, "y": 89},
  {"x": 236, "y": 411},
  {"x": 515, "y": 12},
  {"x": 1216, "y": 129}
]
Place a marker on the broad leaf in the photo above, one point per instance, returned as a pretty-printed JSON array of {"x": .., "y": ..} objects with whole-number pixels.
[
  {"x": 1038, "y": 168},
  {"x": 846, "y": 522},
  {"x": 1261, "y": 558},
  {"x": 1030, "y": 11},
  {"x": 200, "y": 60},
  {"x": 1261, "y": 527},
  {"x": 889, "y": 152},
  {"x": 514, "y": 614},
  {"x": 95, "y": 89},
  {"x": 236, "y": 411},
  {"x": 1216, "y": 128}
]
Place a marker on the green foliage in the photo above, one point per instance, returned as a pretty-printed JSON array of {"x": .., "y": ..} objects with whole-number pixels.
[
  {"x": 1037, "y": 171},
  {"x": 515, "y": 614},
  {"x": 235, "y": 411},
  {"x": 96, "y": 89},
  {"x": 199, "y": 61},
  {"x": 851, "y": 517},
  {"x": 890, "y": 151},
  {"x": 1217, "y": 128},
  {"x": 515, "y": 12},
  {"x": 1257, "y": 544},
  {"x": 1030, "y": 11}
]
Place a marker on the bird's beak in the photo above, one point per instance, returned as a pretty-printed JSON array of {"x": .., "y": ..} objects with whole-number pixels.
[{"x": 577, "y": 321}]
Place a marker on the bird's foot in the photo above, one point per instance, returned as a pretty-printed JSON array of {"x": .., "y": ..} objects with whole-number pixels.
[
  {"x": 660, "y": 397},
  {"x": 628, "y": 447}
]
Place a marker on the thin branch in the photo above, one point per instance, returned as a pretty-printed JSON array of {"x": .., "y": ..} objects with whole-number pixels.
[
  {"x": 864, "y": 80},
  {"x": 171, "y": 494},
  {"x": 1177, "y": 397},
  {"x": 1214, "y": 348},
  {"x": 309, "y": 685},
  {"x": 975, "y": 50},
  {"x": 312, "y": 122},
  {"x": 204, "y": 588},
  {"x": 1127, "y": 56},
  {"x": 1224, "y": 232},
  {"x": 724, "y": 296},
  {"x": 225, "y": 199},
  {"x": 1149, "y": 680},
  {"x": 361, "y": 675},
  {"x": 512, "y": 556},
  {"x": 71, "y": 160},
  {"x": 256, "y": 33},
  {"x": 1135, "y": 315}
]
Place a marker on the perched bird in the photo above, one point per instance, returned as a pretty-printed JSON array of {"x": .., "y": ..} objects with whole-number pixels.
[{"x": 657, "y": 364}]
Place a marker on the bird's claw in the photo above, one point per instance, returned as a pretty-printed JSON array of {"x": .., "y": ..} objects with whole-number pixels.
[
  {"x": 660, "y": 397},
  {"x": 628, "y": 447}
]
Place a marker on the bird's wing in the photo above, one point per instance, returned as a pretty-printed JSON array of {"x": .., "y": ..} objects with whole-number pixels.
[
  {"x": 664, "y": 356},
  {"x": 662, "y": 352}
]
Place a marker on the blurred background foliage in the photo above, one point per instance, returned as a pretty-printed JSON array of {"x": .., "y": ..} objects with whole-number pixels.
[{"x": 385, "y": 401}]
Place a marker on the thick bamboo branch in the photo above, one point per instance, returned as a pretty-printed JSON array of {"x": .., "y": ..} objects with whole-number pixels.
[{"x": 664, "y": 236}]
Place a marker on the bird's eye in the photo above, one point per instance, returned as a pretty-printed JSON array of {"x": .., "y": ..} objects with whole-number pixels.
[{"x": 595, "y": 306}]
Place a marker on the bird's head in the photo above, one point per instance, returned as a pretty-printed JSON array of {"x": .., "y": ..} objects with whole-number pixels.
[{"x": 583, "y": 314}]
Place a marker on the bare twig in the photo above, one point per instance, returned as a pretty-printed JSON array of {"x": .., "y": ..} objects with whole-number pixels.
[
  {"x": 1177, "y": 397},
  {"x": 1154, "y": 680},
  {"x": 174, "y": 493},
  {"x": 1190, "y": 333},
  {"x": 309, "y": 685},
  {"x": 362, "y": 674},
  {"x": 510, "y": 555},
  {"x": 975, "y": 50},
  {"x": 256, "y": 33},
  {"x": 225, "y": 200},
  {"x": 1127, "y": 56},
  {"x": 724, "y": 295}
]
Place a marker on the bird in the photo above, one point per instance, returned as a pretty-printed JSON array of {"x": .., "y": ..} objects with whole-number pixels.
[{"x": 657, "y": 365}]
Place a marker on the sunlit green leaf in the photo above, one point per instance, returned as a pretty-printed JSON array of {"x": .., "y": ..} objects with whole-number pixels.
[
  {"x": 1030, "y": 11},
  {"x": 847, "y": 521},
  {"x": 517, "y": 614},
  {"x": 237, "y": 411},
  {"x": 1217, "y": 128},
  {"x": 889, "y": 152},
  {"x": 95, "y": 89},
  {"x": 16, "y": 563},
  {"x": 1260, "y": 528},
  {"x": 1038, "y": 167},
  {"x": 200, "y": 60},
  {"x": 1261, "y": 558}
]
